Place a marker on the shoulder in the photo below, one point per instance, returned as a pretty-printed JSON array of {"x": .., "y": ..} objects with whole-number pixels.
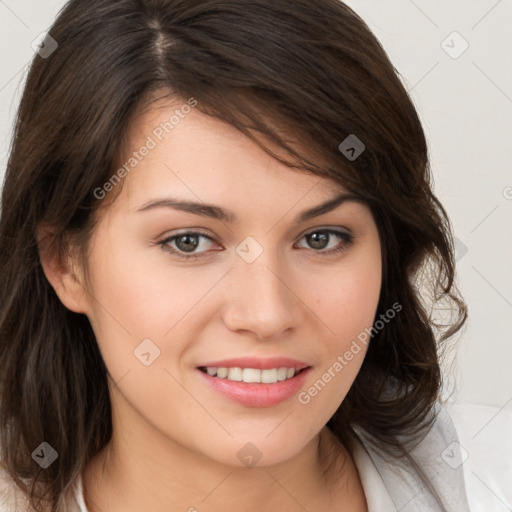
[
  {"x": 485, "y": 451},
  {"x": 464, "y": 457},
  {"x": 11, "y": 498}
]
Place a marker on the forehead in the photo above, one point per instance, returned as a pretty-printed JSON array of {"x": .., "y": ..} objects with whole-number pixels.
[{"x": 171, "y": 145}]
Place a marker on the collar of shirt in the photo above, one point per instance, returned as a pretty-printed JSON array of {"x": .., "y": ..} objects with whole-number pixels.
[{"x": 377, "y": 496}]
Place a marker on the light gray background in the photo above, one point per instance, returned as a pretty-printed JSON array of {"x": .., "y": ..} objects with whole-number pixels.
[{"x": 465, "y": 104}]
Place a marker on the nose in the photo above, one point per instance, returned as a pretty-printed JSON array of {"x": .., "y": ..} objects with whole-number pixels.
[{"x": 260, "y": 298}]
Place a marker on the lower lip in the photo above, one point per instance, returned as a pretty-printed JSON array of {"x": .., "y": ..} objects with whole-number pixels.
[{"x": 256, "y": 394}]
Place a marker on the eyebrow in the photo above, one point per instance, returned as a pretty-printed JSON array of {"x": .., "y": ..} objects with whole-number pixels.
[{"x": 216, "y": 212}]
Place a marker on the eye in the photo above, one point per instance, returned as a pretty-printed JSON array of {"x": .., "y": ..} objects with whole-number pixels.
[
  {"x": 320, "y": 239},
  {"x": 185, "y": 244}
]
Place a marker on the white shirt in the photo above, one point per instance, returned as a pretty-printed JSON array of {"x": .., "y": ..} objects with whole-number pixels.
[
  {"x": 468, "y": 453},
  {"x": 482, "y": 456}
]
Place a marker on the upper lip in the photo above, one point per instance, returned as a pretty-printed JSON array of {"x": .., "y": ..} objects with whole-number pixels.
[{"x": 257, "y": 363}]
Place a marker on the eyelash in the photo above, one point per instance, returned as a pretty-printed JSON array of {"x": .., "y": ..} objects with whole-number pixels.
[{"x": 347, "y": 241}]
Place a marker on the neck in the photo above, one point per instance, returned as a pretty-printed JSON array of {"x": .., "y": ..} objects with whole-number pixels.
[{"x": 141, "y": 471}]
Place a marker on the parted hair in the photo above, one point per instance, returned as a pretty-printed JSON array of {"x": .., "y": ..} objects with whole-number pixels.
[{"x": 297, "y": 75}]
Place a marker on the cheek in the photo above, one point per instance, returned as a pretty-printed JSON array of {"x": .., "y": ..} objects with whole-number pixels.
[
  {"x": 134, "y": 289},
  {"x": 134, "y": 299},
  {"x": 347, "y": 304},
  {"x": 347, "y": 301}
]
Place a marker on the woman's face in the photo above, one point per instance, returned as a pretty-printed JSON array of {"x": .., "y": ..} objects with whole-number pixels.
[{"x": 265, "y": 285}]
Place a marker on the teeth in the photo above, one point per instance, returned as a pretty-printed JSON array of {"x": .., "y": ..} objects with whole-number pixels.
[
  {"x": 269, "y": 376},
  {"x": 252, "y": 375},
  {"x": 222, "y": 373},
  {"x": 281, "y": 373},
  {"x": 235, "y": 374}
]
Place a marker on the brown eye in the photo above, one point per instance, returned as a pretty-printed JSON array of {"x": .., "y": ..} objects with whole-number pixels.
[
  {"x": 320, "y": 239},
  {"x": 184, "y": 245},
  {"x": 187, "y": 243}
]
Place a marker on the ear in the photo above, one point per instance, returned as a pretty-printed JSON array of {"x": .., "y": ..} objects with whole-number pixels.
[{"x": 60, "y": 271}]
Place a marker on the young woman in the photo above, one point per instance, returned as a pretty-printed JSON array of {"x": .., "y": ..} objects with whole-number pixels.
[{"x": 218, "y": 239}]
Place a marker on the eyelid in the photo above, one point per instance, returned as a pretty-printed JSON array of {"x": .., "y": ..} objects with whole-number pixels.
[
  {"x": 341, "y": 232},
  {"x": 347, "y": 238},
  {"x": 190, "y": 231},
  {"x": 163, "y": 243},
  {"x": 327, "y": 228},
  {"x": 213, "y": 238}
]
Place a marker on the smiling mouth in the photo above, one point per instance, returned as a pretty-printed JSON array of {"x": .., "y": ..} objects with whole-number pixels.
[{"x": 252, "y": 375}]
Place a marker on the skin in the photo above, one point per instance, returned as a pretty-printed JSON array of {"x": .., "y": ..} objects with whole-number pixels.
[{"x": 175, "y": 441}]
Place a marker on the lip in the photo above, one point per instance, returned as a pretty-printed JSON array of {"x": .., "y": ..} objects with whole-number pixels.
[
  {"x": 257, "y": 363},
  {"x": 257, "y": 394}
]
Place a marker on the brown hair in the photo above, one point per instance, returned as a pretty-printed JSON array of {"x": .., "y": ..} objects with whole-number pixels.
[{"x": 273, "y": 69}]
